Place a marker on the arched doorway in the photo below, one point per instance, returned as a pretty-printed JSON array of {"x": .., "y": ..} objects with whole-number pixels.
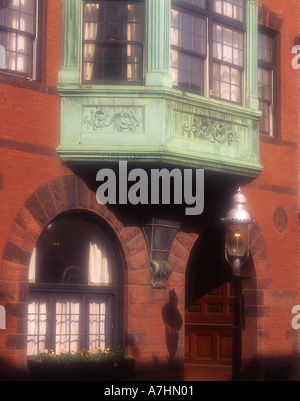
[{"x": 208, "y": 310}]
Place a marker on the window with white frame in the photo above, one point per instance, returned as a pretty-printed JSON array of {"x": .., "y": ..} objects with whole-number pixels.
[
  {"x": 20, "y": 37},
  {"x": 74, "y": 288},
  {"x": 207, "y": 47}
]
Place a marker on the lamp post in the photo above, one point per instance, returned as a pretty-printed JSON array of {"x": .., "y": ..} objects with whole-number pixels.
[{"x": 238, "y": 222}]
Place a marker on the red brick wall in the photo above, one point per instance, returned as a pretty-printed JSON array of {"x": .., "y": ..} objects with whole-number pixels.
[
  {"x": 29, "y": 133},
  {"x": 277, "y": 186},
  {"x": 298, "y": 154}
]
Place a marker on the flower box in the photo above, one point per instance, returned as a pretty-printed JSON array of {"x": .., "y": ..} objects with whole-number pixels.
[{"x": 70, "y": 368}]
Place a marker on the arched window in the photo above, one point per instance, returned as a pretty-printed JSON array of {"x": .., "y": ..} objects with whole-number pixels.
[{"x": 74, "y": 291}]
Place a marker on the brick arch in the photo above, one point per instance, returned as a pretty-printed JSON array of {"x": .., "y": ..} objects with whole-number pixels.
[
  {"x": 58, "y": 195},
  {"x": 184, "y": 243},
  {"x": 258, "y": 273},
  {"x": 259, "y": 252}
]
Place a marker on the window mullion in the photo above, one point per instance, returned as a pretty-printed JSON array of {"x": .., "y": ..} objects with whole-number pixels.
[{"x": 52, "y": 320}]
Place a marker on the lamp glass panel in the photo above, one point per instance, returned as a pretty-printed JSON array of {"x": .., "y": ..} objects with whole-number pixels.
[{"x": 237, "y": 239}]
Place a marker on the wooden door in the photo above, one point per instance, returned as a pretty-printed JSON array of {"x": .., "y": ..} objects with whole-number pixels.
[{"x": 208, "y": 336}]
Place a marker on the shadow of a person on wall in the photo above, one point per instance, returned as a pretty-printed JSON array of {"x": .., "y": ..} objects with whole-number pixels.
[{"x": 173, "y": 322}]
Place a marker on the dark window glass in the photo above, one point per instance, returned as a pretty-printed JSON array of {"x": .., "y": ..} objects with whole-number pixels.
[
  {"x": 19, "y": 21},
  {"x": 74, "y": 288},
  {"x": 266, "y": 80},
  {"x": 65, "y": 248},
  {"x": 113, "y": 35}
]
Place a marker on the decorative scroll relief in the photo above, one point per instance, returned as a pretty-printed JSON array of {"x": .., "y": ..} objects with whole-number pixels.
[
  {"x": 280, "y": 219},
  {"x": 113, "y": 119},
  {"x": 211, "y": 130}
]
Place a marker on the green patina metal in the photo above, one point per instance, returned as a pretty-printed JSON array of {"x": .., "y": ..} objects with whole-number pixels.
[{"x": 155, "y": 122}]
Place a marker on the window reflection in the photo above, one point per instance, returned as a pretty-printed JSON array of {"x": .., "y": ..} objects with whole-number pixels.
[
  {"x": 207, "y": 55},
  {"x": 188, "y": 50}
]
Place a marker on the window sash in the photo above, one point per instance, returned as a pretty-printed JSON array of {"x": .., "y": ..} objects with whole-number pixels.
[
  {"x": 226, "y": 83},
  {"x": 188, "y": 49},
  {"x": 225, "y": 39},
  {"x": 265, "y": 51},
  {"x": 228, "y": 46},
  {"x": 196, "y": 3},
  {"x": 187, "y": 71},
  {"x": 19, "y": 19},
  {"x": 234, "y": 9},
  {"x": 107, "y": 36},
  {"x": 69, "y": 321},
  {"x": 127, "y": 67},
  {"x": 266, "y": 100},
  {"x": 266, "y": 82},
  {"x": 189, "y": 32},
  {"x": 20, "y": 35}
]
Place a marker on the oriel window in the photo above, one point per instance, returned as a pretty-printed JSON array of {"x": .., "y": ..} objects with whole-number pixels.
[
  {"x": 20, "y": 36},
  {"x": 113, "y": 41}
]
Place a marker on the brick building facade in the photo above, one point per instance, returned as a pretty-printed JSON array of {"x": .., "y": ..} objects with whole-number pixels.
[{"x": 43, "y": 176}]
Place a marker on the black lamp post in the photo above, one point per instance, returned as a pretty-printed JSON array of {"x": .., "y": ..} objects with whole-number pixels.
[{"x": 238, "y": 222}]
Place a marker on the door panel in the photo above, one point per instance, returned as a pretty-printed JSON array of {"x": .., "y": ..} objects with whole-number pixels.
[{"x": 208, "y": 336}]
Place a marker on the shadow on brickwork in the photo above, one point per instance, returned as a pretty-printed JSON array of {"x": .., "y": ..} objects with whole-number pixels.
[
  {"x": 173, "y": 323},
  {"x": 8, "y": 372},
  {"x": 284, "y": 368}
]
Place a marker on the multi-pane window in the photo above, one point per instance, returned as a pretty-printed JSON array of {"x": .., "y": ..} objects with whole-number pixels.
[
  {"x": 266, "y": 79},
  {"x": 19, "y": 36},
  {"x": 230, "y": 8},
  {"x": 74, "y": 288},
  {"x": 207, "y": 47},
  {"x": 228, "y": 62},
  {"x": 188, "y": 49},
  {"x": 113, "y": 37}
]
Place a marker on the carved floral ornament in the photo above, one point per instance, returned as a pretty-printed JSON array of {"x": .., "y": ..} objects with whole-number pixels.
[
  {"x": 280, "y": 219},
  {"x": 123, "y": 120},
  {"x": 210, "y": 130}
]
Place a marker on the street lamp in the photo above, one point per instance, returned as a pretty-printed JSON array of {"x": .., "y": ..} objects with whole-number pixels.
[{"x": 238, "y": 222}]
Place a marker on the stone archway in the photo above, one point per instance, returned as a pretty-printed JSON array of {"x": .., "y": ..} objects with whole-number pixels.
[
  {"x": 58, "y": 195},
  {"x": 258, "y": 273}
]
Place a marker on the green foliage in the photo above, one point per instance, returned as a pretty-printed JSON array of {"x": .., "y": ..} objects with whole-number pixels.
[{"x": 69, "y": 357}]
